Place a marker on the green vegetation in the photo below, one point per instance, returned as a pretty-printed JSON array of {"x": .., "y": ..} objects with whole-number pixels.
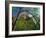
[{"x": 22, "y": 24}]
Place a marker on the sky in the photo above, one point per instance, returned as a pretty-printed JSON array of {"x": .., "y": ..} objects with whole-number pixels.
[{"x": 16, "y": 10}]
